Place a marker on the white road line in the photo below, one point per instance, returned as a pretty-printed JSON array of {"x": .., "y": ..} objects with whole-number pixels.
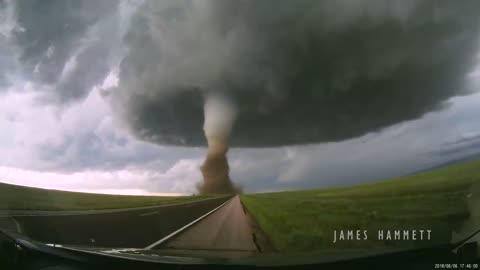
[
  {"x": 42, "y": 213},
  {"x": 19, "y": 229},
  {"x": 185, "y": 227},
  {"x": 147, "y": 214}
]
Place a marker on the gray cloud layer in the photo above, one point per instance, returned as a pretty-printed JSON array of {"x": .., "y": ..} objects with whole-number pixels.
[
  {"x": 368, "y": 65},
  {"x": 298, "y": 71},
  {"x": 63, "y": 47}
]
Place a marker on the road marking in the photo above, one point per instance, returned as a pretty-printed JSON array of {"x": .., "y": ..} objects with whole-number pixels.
[
  {"x": 147, "y": 214},
  {"x": 19, "y": 229},
  {"x": 22, "y": 213},
  {"x": 186, "y": 226}
]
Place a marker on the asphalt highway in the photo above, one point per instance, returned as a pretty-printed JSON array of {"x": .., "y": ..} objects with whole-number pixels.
[{"x": 133, "y": 228}]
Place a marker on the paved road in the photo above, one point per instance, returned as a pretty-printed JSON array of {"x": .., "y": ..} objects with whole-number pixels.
[
  {"x": 137, "y": 228},
  {"x": 225, "y": 230}
]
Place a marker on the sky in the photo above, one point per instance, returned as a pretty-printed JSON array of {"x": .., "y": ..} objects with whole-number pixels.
[{"x": 59, "y": 129}]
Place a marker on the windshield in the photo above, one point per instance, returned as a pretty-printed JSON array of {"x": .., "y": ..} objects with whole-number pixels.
[{"x": 255, "y": 131}]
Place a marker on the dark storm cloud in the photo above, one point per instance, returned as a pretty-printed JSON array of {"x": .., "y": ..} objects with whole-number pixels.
[
  {"x": 65, "y": 45},
  {"x": 297, "y": 71}
]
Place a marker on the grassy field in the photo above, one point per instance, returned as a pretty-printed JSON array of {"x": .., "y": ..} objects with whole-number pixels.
[
  {"x": 300, "y": 221},
  {"x": 25, "y": 198}
]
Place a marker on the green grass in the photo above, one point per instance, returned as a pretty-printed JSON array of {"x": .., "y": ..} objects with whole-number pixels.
[
  {"x": 14, "y": 197},
  {"x": 303, "y": 221}
]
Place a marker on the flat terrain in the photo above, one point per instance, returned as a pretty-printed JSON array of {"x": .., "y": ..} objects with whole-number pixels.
[
  {"x": 304, "y": 221},
  {"x": 132, "y": 228},
  {"x": 14, "y": 197},
  {"x": 70, "y": 218},
  {"x": 443, "y": 200}
]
